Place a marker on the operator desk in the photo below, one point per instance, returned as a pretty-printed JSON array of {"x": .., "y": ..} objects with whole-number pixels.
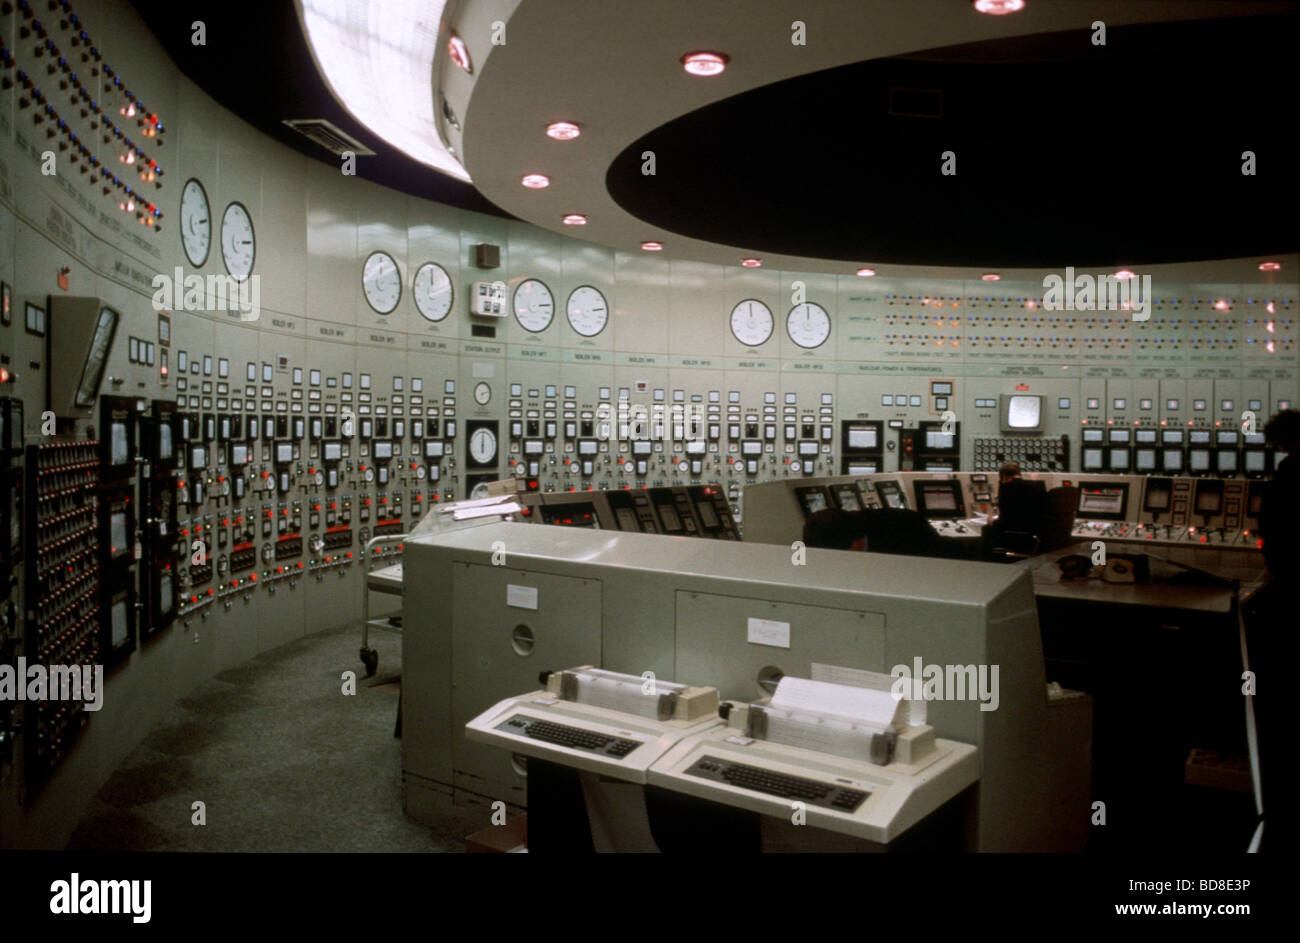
[{"x": 1162, "y": 660}]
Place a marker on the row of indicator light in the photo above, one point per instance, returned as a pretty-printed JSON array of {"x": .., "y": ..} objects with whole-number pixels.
[
  {"x": 90, "y": 52},
  {"x": 146, "y": 213}
]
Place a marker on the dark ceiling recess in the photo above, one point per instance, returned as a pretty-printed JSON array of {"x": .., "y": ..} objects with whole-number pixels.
[
  {"x": 256, "y": 64},
  {"x": 1066, "y": 154}
]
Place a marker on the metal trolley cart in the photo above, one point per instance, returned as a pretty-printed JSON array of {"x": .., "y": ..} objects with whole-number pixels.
[{"x": 386, "y": 580}]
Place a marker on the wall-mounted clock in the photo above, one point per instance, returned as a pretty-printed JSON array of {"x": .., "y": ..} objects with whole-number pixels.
[
  {"x": 534, "y": 305},
  {"x": 433, "y": 291},
  {"x": 808, "y": 324},
  {"x": 381, "y": 282},
  {"x": 238, "y": 243},
  {"x": 751, "y": 322},
  {"x": 196, "y": 223},
  {"x": 587, "y": 311}
]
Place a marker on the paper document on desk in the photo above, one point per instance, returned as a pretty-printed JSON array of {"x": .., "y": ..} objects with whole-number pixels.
[
  {"x": 868, "y": 705},
  {"x": 492, "y": 510}
]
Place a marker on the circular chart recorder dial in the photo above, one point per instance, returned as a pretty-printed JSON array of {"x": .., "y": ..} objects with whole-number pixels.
[
  {"x": 751, "y": 322},
  {"x": 534, "y": 305},
  {"x": 587, "y": 311},
  {"x": 808, "y": 324},
  {"x": 382, "y": 282},
  {"x": 483, "y": 446},
  {"x": 238, "y": 242},
  {"x": 433, "y": 291},
  {"x": 196, "y": 222}
]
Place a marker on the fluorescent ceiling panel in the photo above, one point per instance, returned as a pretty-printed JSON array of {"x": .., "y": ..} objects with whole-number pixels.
[{"x": 377, "y": 58}]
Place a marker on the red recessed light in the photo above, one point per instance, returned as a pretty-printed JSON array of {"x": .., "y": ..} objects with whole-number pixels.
[
  {"x": 752, "y": 263},
  {"x": 999, "y": 7},
  {"x": 536, "y": 181},
  {"x": 1124, "y": 274},
  {"x": 1269, "y": 266},
  {"x": 705, "y": 63},
  {"x": 866, "y": 272},
  {"x": 562, "y": 130},
  {"x": 575, "y": 219},
  {"x": 991, "y": 277},
  {"x": 652, "y": 246},
  {"x": 459, "y": 54}
]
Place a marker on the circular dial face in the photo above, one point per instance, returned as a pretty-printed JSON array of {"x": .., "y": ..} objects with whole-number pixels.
[
  {"x": 480, "y": 490},
  {"x": 370, "y": 474},
  {"x": 238, "y": 244},
  {"x": 382, "y": 282},
  {"x": 482, "y": 393},
  {"x": 534, "y": 305},
  {"x": 433, "y": 292},
  {"x": 808, "y": 324},
  {"x": 587, "y": 311},
  {"x": 196, "y": 222},
  {"x": 751, "y": 322},
  {"x": 483, "y": 446}
]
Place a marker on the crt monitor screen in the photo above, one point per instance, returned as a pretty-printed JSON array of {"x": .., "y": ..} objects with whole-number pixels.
[
  {"x": 1144, "y": 460},
  {"x": 814, "y": 500},
  {"x": 939, "y": 498},
  {"x": 1022, "y": 412},
  {"x": 1199, "y": 460},
  {"x": 1227, "y": 461},
  {"x": 1254, "y": 461},
  {"x": 118, "y": 448},
  {"x": 890, "y": 494},
  {"x": 1158, "y": 495},
  {"x": 1208, "y": 499},
  {"x": 938, "y": 440},
  {"x": 862, "y": 438}
]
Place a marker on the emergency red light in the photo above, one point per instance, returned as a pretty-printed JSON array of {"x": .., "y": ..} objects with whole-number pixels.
[
  {"x": 574, "y": 219},
  {"x": 459, "y": 54},
  {"x": 752, "y": 263},
  {"x": 865, "y": 272},
  {"x": 1269, "y": 266},
  {"x": 536, "y": 181}
]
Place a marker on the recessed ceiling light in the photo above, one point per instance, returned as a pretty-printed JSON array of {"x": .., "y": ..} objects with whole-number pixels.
[
  {"x": 1269, "y": 266},
  {"x": 536, "y": 181},
  {"x": 705, "y": 63},
  {"x": 752, "y": 263},
  {"x": 866, "y": 272},
  {"x": 459, "y": 54},
  {"x": 562, "y": 130},
  {"x": 575, "y": 219},
  {"x": 999, "y": 7},
  {"x": 652, "y": 246},
  {"x": 991, "y": 277},
  {"x": 1124, "y": 274}
]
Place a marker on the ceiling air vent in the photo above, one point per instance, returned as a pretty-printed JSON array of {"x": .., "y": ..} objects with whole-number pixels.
[
  {"x": 916, "y": 102},
  {"x": 329, "y": 136}
]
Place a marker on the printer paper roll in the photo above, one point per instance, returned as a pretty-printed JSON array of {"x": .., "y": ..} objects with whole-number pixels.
[
  {"x": 876, "y": 708},
  {"x": 624, "y": 693}
]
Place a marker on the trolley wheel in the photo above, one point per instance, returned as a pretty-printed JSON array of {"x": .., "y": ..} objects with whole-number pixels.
[{"x": 370, "y": 658}]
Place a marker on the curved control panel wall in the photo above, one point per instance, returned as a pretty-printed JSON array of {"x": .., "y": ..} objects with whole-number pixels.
[{"x": 328, "y": 359}]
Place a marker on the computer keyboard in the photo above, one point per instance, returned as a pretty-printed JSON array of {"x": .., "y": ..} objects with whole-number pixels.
[
  {"x": 566, "y": 736},
  {"x": 778, "y": 784}
]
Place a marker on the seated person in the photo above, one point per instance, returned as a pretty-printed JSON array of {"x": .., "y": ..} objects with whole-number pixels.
[
  {"x": 1022, "y": 506},
  {"x": 877, "y": 530}
]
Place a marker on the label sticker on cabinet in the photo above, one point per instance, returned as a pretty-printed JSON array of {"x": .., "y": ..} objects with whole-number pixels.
[
  {"x": 768, "y": 632},
  {"x": 521, "y": 597}
]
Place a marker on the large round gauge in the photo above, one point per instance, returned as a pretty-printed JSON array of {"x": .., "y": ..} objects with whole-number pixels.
[
  {"x": 482, "y": 393},
  {"x": 483, "y": 446},
  {"x": 196, "y": 222},
  {"x": 808, "y": 324},
  {"x": 433, "y": 291},
  {"x": 381, "y": 282},
  {"x": 534, "y": 305},
  {"x": 238, "y": 245},
  {"x": 587, "y": 311},
  {"x": 751, "y": 322}
]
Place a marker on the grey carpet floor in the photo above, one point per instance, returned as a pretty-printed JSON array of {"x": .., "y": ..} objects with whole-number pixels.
[{"x": 282, "y": 761}]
